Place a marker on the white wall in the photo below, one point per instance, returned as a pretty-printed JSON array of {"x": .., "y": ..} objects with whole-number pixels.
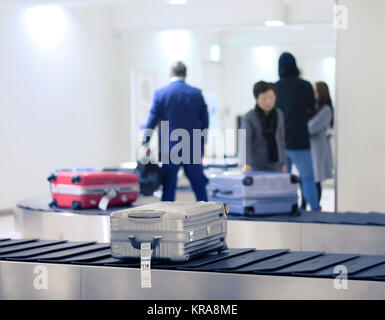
[
  {"x": 361, "y": 107},
  {"x": 59, "y": 105},
  {"x": 157, "y": 50}
]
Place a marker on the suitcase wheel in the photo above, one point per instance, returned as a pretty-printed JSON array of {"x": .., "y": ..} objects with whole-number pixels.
[
  {"x": 249, "y": 211},
  {"x": 247, "y": 181},
  {"x": 53, "y": 203},
  {"x": 76, "y": 179},
  {"x": 225, "y": 247},
  {"x": 76, "y": 205},
  {"x": 51, "y": 178},
  {"x": 295, "y": 210},
  {"x": 295, "y": 179}
]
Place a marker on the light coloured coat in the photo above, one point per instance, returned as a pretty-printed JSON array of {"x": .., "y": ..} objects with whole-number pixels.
[{"x": 320, "y": 144}]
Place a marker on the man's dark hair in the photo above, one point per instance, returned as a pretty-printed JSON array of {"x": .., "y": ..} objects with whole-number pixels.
[
  {"x": 179, "y": 69},
  {"x": 262, "y": 86}
]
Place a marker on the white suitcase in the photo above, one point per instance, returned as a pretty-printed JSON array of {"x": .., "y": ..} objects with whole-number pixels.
[{"x": 177, "y": 231}]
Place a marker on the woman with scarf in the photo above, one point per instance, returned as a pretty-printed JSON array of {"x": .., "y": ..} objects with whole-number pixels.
[{"x": 265, "y": 132}]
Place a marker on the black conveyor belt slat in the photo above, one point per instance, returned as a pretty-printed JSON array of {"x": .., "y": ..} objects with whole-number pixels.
[
  {"x": 35, "y": 254},
  {"x": 240, "y": 260},
  {"x": 101, "y": 262},
  {"x": 353, "y": 266},
  {"x": 326, "y": 260},
  {"x": 87, "y": 257},
  {"x": 346, "y": 218},
  {"x": 9, "y": 242},
  {"x": 376, "y": 272},
  {"x": 5, "y": 239},
  {"x": 265, "y": 262},
  {"x": 352, "y": 218},
  {"x": 26, "y": 246},
  {"x": 131, "y": 263},
  {"x": 278, "y": 262},
  {"x": 376, "y": 218},
  {"x": 326, "y": 218},
  {"x": 43, "y": 204},
  {"x": 73, "y": 252},
  {"x": 200, "y": 261},
  {"x": 135, "y": 263}
]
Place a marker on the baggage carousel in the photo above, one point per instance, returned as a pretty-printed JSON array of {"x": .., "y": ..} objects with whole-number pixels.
[
  {"x": 60, "y": 269},
  {"x": 347, "y": 232}
]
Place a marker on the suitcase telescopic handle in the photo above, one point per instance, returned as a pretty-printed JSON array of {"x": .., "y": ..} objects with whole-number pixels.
[
  {"x": 136, "y": 244},
  {"x": 145, "y": 214}
]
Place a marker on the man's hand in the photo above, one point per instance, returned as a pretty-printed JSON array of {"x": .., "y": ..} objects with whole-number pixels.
[
  {"x": 284, "y": 168},
  {"x": 246, "y": 168}
]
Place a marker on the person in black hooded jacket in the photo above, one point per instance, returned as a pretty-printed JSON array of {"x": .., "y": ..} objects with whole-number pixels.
[{"x": 295, "y": 97}]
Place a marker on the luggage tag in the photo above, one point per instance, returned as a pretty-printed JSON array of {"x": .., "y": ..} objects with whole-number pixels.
[
  {"x": 109, "y": 195},
  {"x": 145, "y": 264}
]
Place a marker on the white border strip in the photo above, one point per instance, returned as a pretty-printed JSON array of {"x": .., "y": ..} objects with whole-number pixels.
[{"x": 93, "y": 190}]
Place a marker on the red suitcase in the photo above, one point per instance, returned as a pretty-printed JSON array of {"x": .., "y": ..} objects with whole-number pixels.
[{"x": 87, "y": 189}]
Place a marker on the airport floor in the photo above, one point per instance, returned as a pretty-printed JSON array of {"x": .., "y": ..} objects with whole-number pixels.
[{"x": 7, "y": 228}]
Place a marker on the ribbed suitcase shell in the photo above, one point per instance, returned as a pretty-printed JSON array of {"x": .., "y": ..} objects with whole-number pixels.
[
  {"x": 252, "y": 207},
  {"x": 186, "y": 230},
  {"x": 255, "y": 193},
  {"x": 256, "y": 185}
]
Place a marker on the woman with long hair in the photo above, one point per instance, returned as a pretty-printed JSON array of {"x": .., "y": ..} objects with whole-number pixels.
[{"x": 318, "y": 125}]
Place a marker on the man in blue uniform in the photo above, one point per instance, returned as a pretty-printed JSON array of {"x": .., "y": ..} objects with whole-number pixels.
[{"x": 183, "y": 109}]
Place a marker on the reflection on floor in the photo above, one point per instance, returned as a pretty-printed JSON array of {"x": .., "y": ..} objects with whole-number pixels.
[
  {"x": 7, "y": 229},
  {"x": 327, "y": 200}
]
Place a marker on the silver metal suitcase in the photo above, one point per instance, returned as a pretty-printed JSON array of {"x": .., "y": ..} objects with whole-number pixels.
[{"x": 177, "y": 231}]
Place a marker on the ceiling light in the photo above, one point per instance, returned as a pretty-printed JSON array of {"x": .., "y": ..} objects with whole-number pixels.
[
  {"x": 215, "y": 52},
  {"x": 46, "y": 24},
  {"x": 275, "y": 14},
  {"x": 176, "y": 43}
]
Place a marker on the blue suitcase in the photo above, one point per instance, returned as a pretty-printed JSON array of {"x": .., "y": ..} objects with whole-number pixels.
[{"x": 255, "y": 193}]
